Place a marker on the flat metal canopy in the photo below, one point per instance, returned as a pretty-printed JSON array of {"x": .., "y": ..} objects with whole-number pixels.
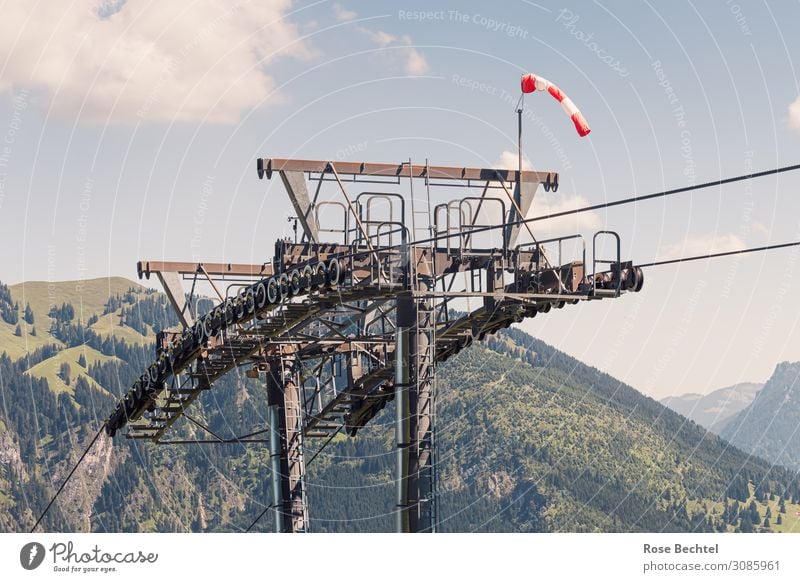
[{"x": 266, "y": 166}]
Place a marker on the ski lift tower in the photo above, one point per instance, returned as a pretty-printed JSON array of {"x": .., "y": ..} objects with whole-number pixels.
[{"x": 360, "y": 310}]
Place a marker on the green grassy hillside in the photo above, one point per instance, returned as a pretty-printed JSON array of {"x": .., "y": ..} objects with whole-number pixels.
[
  {"x": 50, "y": 368},
  {"x": 18, "y": 346},
  {"x": 109, "y": 325},
  {"x": 88, "y": 297}
]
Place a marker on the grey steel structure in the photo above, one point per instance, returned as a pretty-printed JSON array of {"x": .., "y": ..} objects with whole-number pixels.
[{"x": 360, "y": 311}]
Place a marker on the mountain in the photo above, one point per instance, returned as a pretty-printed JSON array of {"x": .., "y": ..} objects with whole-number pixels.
[
  {"x": 770, "y": 426},
  {"x": 530, "y": 440},
  {"x": 712, "y": 410}
]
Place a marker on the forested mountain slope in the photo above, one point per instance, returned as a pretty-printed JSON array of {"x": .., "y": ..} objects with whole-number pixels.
[{"x": 529, "y": 440}]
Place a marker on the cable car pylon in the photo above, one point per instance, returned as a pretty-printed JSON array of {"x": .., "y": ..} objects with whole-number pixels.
[
  {"x": 360, "y": 311},
  {"x": 362, "y": 308},
  {"x": 338, "y": 328}
]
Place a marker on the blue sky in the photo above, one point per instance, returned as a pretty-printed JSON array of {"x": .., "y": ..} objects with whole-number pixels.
[{"x": 131, "y": 131}]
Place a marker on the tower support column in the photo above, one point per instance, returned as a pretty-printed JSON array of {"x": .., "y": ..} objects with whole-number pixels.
[
  {"x": 286, "y": 445},
  {"x": 414, "y": 369},
  {"x": 402, "y": 388},
  {"x": 421, "y": 487}
]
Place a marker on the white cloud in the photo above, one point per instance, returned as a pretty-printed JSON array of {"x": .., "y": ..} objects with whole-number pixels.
[
  {"x": 121, "y": 61},
  {"x": 343, "y": 14},
  {"x": 794, "y": 114},
  {"x": 413, "y": 61},
  {"x": 703, "y": 244},
  {"x": 380, "y": 37},
  {"x": 509, "y": 160}
]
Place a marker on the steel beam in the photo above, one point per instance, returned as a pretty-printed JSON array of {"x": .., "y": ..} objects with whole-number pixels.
[
  {"x": 146, "y": 268},
  {"x": 274, "y": 413},
  {"x": 173, "y": 289},
  {"x": 420, "y": 481},
  {"x": 266, "y": 166},
  {"x": 284, "y": 395},
  {"x": 403, "y": 412},
  {"x": 414, "y": 371},
  {"x": 494, "y": 285},
  {"x": 523, "y": 198},
  {"x": 297, "y": 189}
]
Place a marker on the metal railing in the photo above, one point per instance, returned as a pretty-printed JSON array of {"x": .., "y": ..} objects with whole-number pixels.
[{"x": 615, "y": 264}]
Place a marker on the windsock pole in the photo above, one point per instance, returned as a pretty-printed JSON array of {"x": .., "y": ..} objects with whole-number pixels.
[{"x": 519, "y": 137}]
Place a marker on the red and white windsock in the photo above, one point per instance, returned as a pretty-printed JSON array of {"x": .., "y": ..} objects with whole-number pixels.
[{"x": 531, "y": 83}]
